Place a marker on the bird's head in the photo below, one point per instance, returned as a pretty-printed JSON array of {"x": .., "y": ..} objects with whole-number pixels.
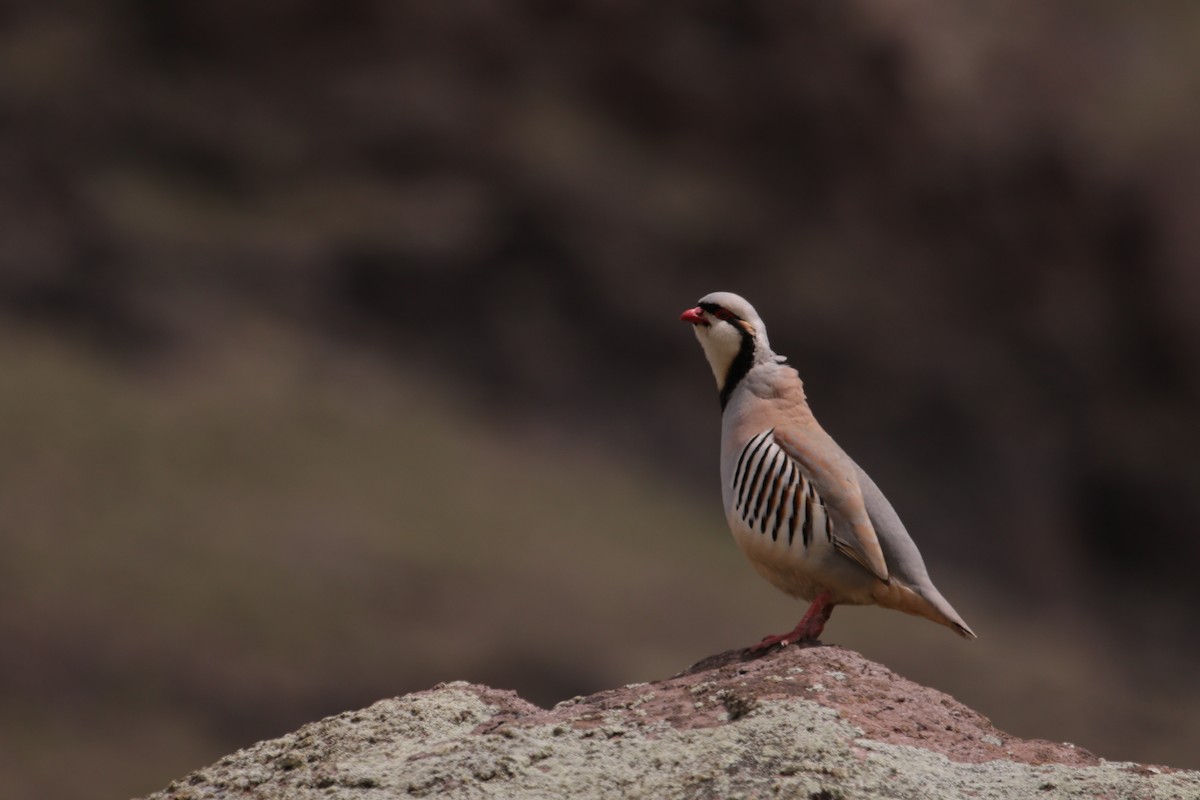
[{"x": 732, "y": 335}]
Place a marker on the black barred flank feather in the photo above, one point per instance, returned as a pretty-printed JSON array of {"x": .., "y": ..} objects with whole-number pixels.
[{"x": 770, "y": 492}]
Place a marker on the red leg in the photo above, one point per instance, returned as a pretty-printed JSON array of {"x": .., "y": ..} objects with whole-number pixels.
[{"x": 807, "y": 630}]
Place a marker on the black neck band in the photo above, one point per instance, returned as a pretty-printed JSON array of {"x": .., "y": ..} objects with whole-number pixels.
[{"x": 738, "y": 368}]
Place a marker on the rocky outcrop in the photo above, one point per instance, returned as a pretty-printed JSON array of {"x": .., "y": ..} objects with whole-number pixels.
[{"x": 815, "y": 723}]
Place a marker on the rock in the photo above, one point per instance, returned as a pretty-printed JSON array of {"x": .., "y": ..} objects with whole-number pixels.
[{"x": 815, "y": 723}]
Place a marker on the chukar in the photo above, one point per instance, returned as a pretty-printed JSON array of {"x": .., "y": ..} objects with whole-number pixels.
[{"x": 808, "y": 518}]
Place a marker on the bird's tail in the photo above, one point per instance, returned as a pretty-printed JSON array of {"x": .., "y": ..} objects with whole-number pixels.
[
  {"x": 945, "y": 613},
  {"x": 925, "y": 602}
]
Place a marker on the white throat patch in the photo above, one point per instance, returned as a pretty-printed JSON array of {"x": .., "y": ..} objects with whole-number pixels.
[{"x": 721, "y": 342}]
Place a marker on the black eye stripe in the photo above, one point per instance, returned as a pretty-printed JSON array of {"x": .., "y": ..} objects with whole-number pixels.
[{"x": 720, "y": 312}]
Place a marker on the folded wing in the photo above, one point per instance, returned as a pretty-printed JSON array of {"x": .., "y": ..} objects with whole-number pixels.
[{"x": 835, "y": 478}]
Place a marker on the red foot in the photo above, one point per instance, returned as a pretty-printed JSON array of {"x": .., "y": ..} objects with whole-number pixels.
[{"x": 807, "y": 630}]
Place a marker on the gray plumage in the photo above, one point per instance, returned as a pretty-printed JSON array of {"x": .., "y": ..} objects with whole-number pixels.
[{"x": 808, "y": 518}]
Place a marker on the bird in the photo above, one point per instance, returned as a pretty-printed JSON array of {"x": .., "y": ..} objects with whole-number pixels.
[{"x": 808, "y": 518}]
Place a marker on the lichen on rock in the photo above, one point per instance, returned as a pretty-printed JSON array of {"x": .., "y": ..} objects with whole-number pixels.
[{"x": 732, "y": 726}]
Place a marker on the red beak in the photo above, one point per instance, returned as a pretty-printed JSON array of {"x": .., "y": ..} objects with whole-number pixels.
[{"x": 694, "y": 316}]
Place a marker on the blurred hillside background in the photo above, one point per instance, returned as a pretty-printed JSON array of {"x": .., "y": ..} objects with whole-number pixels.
[{"x": 340, "y": 353}]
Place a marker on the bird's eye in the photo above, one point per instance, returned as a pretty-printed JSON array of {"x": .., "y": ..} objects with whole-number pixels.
[{"x": 723, "y": 314}]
